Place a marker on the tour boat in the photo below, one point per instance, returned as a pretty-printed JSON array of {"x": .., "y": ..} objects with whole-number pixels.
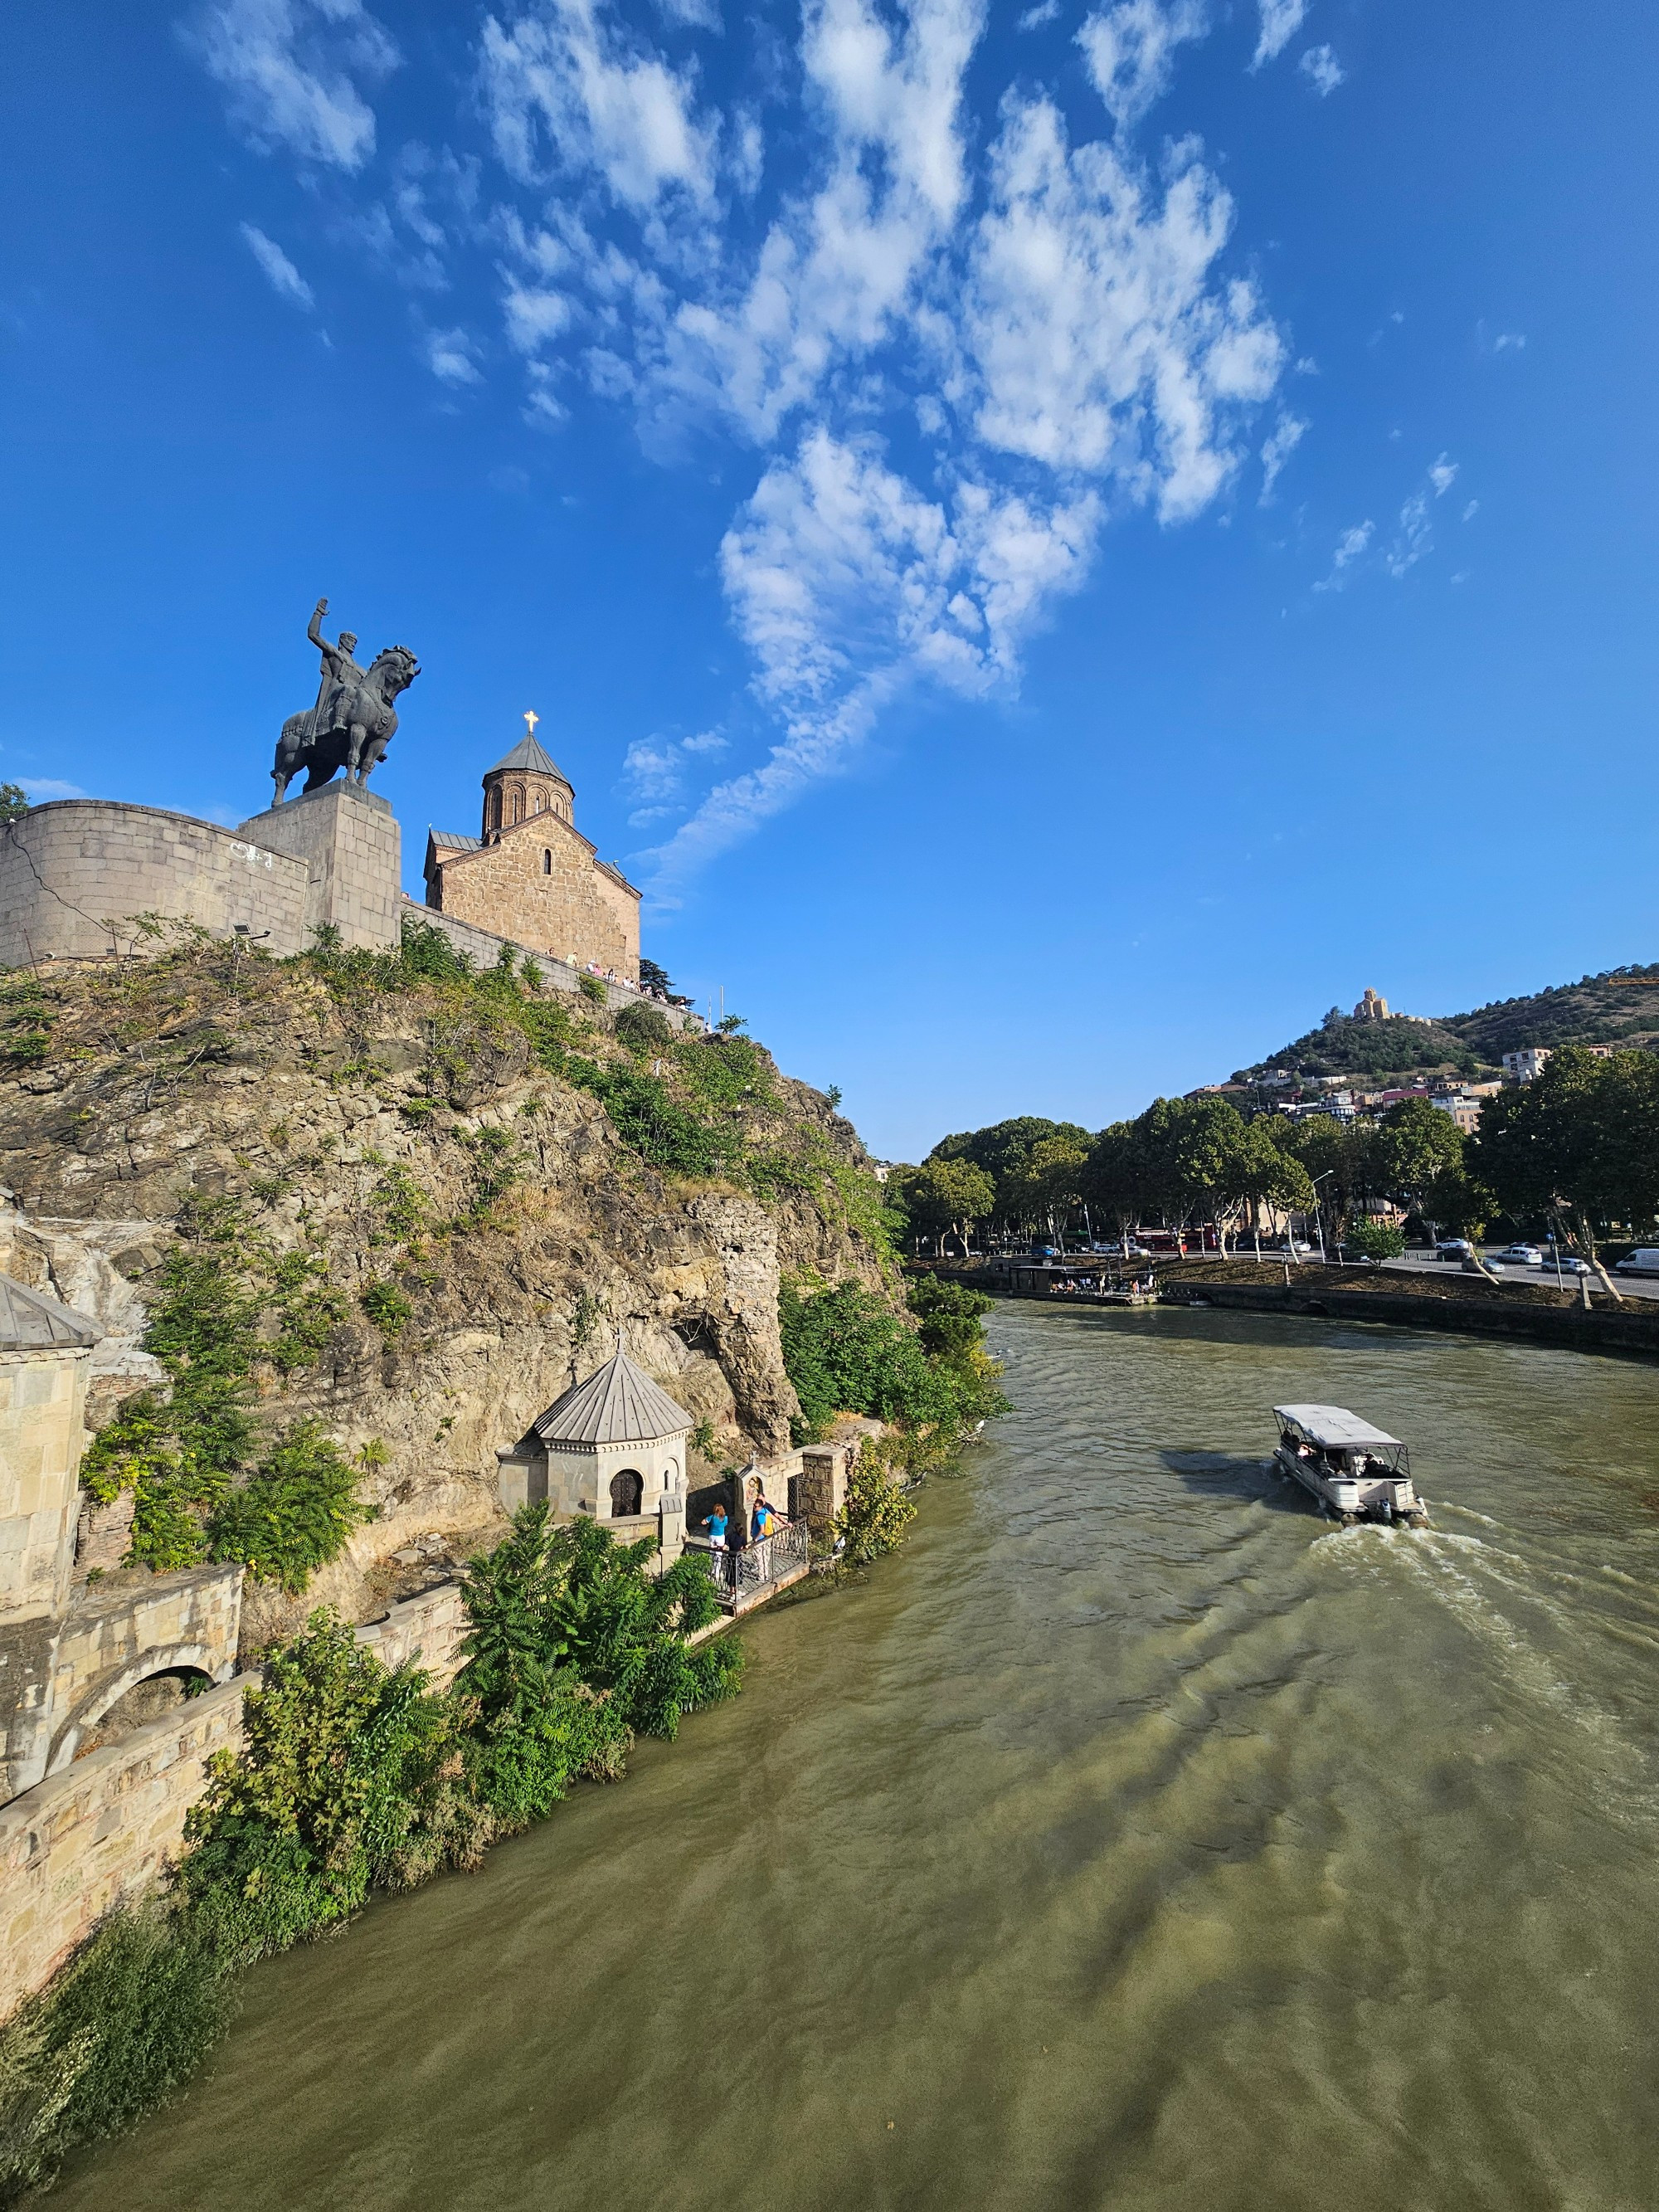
[{"x": 1355, "y": 1472}]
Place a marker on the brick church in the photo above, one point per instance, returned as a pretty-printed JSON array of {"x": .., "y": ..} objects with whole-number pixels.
[{"x": 530, "y": 875}]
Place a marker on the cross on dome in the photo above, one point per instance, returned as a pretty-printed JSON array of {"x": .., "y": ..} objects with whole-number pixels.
[{"x": 530, "y": 720}]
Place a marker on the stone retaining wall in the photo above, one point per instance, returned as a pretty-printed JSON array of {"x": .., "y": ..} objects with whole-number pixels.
[
  {"x": 101, "y": 1832},
  {"x": 74, "y": 872}
]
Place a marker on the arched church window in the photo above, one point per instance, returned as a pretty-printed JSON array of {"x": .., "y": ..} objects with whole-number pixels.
[
  {"x": 547, "y": 862},
  {"x": 517, "y": 807},
  {"x": 541, "y": 802}
]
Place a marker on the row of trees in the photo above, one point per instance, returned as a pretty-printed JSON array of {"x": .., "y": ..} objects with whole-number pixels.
[{"x": 1577, "y": 1149}]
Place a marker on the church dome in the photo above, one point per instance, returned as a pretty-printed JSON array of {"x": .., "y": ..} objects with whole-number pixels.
[{"x": 523, "y": 784}]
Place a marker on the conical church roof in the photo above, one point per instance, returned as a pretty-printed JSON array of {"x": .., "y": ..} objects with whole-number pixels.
[
  {"x": 619, "y": 1405},
  {"x": 528, "y": 755},
  {"x": 29, "y": 1319}
]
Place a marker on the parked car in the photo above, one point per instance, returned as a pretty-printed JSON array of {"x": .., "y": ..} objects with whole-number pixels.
[
  {"x": 1644, "y": 1260},
  {"x": 1524, "y": 1255},
  {"x": 1453, "y": 1247},
  {"x": 1352, "y": 1258}
]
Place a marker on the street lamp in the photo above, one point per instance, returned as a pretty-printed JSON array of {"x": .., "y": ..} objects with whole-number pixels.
[{"x": 1319, "y": 1214}]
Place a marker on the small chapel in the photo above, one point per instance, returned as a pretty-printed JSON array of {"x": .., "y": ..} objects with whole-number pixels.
[{"x": 530, "y": 875}]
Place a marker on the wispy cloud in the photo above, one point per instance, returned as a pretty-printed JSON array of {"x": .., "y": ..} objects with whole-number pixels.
[
  {"x": 1281, "y": 443},
  {"x": 40, "y": 788},
  {"x": 283, "y": 277},
  {"x": 452, "y": 355},
  {"x": 1280, "y": 21},
  {"x": 1349, "y": 548},
  {"x": 1034, "y": 18},
  {"x": 1509, "y": 341},
  {"x": 1323, "y": 70},
  {"x": 1131, "y": 49},
  {"x": 1061, "y": 319},
  {"x": 294, "y": 70}
]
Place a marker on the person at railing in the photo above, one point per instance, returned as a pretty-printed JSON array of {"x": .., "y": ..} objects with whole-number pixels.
[
  {"x": 763, "y": 1522},
  {"x": 716, "y": 1525}
]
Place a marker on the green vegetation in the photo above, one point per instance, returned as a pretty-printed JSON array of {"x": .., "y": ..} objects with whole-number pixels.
[
  {"x": 208, "y": 1482},
  {"x": 1376, "y": 1240},
  {"x": 1578, "y": 1145},
  {"x": 14, "y": 802},
  {"x": 355, "y": 1778},
  {"x": 846, "y": 1351},
  {"x": 877, "y": 1512}
]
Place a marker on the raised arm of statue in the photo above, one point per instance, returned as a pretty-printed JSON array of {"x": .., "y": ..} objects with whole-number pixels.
[{"x": 314, "y": 630}]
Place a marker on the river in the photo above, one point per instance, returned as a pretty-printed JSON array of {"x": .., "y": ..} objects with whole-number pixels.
[{"x": 1132, "y": 1839}]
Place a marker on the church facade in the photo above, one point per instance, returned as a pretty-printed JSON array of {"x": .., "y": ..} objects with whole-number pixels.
[{"x": 529, "y": 874}]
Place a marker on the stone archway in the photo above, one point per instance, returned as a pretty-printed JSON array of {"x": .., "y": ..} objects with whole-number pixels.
[
  {"x": 627, "y": 1493},
  {"x": 170, "y": 1660}
]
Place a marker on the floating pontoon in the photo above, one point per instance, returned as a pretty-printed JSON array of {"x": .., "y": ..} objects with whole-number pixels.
[{"x": 1355, "y": 1472}]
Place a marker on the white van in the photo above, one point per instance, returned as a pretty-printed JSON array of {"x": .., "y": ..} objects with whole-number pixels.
[{"x": 1644, "y": 1260}]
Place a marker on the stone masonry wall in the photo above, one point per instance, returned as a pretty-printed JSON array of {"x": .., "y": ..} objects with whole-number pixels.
[
  {"x": 349, "y": 842},
  {"x": 541, "y": 883},
  {"x": 74, "y": 872},
  {"x": 99, "y": 1832}
]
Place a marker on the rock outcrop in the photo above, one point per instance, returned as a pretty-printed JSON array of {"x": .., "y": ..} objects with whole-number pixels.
[{"x": 407, "y": 1144}]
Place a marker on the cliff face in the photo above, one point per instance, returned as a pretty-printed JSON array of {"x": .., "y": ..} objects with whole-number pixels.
[{"x": 416, "y": 1144}]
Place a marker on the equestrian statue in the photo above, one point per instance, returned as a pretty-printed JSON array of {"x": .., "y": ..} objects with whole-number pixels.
[{"x": 353, "y": 722}]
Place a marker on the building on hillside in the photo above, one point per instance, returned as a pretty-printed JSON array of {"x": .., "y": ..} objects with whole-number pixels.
[
  {"x": 529, "y": 874},
  {"x": 1372, "y": 1007},
  {"x": 1465, "y": 1111},
  {"x": 1525, "y": 1066},
  {"x": 612, "y": 1447}
]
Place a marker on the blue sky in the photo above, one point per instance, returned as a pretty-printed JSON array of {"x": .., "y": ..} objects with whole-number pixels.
[{"x": 1054, "y": 545}]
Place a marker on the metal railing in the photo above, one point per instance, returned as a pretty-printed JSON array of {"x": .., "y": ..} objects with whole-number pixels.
[{"x": 742, "y": 1571}]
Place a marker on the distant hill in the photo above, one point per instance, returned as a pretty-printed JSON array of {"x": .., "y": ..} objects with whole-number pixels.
[{"x": 1619, "y": 1007}]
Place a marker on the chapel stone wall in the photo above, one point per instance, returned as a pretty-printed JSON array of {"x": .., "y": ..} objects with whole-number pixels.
[{"x": 540, "y": 886}]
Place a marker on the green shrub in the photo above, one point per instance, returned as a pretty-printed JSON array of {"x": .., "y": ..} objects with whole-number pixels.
[
  {"x": 386, "y": 1307},
  {"x": 1377, "y": 1240},
  {"x": 592, "y": 989},
  {"x": 127, "y": 2021},
  {"x": 293, "y": 1514},
  {"x": 340, "y": 1786},
  {"x": 876, "y": 1512},
  {"x": 644, "y": 1029}
]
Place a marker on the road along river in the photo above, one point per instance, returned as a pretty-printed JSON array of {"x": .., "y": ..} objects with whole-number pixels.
[{"x": 1133, "y": 1839}]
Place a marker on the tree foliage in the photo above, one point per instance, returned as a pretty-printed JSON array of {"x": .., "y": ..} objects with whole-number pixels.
[
  {"x": 1580, "y": 1143},
  {"x": 846, "y": 1351}
]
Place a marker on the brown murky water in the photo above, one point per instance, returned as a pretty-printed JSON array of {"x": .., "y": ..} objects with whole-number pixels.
[{"x": 1134, "y": 1839}]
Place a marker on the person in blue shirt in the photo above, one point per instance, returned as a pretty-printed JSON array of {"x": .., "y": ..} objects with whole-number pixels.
[{"x": 716, "y": 1525}]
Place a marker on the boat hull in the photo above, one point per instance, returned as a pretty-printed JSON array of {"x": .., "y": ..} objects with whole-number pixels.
[{"x": 1385, "y": 1497}]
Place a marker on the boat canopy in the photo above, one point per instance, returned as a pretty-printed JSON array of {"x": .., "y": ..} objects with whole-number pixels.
[{"x": 1333, "y": 1428}]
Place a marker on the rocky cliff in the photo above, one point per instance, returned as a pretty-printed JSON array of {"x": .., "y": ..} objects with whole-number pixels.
[{"x": 476, "y": 1190}]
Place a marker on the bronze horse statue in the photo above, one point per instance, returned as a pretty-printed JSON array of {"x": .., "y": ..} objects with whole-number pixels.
[{"x": 354, "y": 721}]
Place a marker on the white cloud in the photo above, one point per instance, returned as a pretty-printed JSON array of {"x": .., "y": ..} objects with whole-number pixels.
[
  {"x": 1443, "y": 474},
  {"x": 1101, "y": 341},
  {"x": 1130, "y": 50},
  {"x": 567, "y": 91},
  {"x": 1349, "y": 547},
  {"x": 1281, "y": 443},
  {"x": 1471, "y": 511},
  {"x": 40, "y": 788},
  {"x": 1323, "y": 70},
  {"x": 284, "y": 278},
  {"x": 452, "y": 355},
  {"x": 294, "y": 70},
  {"x": 1055, "y": 324},
  {"x": 1035, "y": 18},
  {"x": 1507, "y": 341},
  {"x": 1280, "y": 21}
]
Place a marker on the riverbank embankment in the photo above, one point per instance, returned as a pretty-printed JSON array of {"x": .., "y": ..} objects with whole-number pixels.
[{"x": 1460, "y": 1304}]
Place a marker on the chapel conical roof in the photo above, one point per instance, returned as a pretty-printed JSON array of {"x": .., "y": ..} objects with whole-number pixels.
[
  {"x": 618, "y": 1404},
  {"x": 29, "y": 1319},
  {"x": 528, "y": 755}
]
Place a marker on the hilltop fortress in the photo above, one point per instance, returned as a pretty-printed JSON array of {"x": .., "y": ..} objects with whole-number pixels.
[{"x": 91, "y": 878}]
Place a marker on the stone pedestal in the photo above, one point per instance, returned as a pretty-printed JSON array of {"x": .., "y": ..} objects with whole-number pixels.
[{"x": 348, "y": 838}]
